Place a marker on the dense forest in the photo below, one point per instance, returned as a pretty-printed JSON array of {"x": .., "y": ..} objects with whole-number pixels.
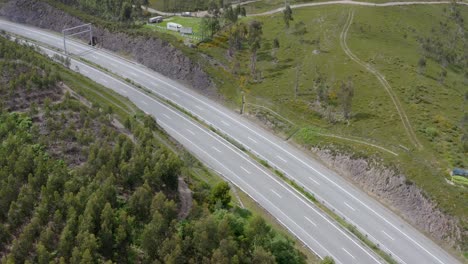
[{"x": 77, "y": 187}]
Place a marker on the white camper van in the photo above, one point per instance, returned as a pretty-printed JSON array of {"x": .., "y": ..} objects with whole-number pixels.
[{"x": 174, "y": 26}]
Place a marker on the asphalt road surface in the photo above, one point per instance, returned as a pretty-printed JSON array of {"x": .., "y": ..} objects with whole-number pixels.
[{"x": 390, "y": 232}]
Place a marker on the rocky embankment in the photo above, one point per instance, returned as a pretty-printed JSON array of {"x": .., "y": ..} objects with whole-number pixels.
[
  {"x": 152, "y": 52},
  {"x": 393, "y": 189}
]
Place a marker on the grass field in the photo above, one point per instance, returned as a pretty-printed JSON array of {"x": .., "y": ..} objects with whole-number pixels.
[{"x": 385, "y": 38}]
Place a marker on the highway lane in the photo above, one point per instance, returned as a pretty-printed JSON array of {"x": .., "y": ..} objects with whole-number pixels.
[
  {"x": 288, "y": 206},
  {"x": 382, "y": 226}
]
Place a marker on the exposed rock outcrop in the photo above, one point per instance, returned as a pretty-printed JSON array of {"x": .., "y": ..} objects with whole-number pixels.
[{"x": 393, "y": 189}]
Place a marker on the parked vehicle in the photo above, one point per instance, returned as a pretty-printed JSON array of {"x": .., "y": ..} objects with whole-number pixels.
[
  {"x": 157, "y": 19},
  {"x": 186, "y": 14},
  {"x": 174, "y": 26}
]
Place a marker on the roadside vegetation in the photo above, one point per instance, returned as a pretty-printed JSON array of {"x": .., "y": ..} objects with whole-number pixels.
[{"x": 88, "y": 180}]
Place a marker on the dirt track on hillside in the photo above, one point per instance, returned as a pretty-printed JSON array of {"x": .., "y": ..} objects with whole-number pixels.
[{"x": 401, "y": 112}]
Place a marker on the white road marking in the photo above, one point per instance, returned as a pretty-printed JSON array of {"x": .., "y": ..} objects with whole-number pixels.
[
  {"x": 145, "y": 103},
  {"x": 134, "y": 74},
  {"x": 348, "y": 253},
  {"x": 349, "y": 206},
  {"x": 166, "y": 116},
  {"x": 94, "y": 57},
  {"x": 199, "y": 107},
  {"x": 216, "y": 149},
  {"x": 85, "y": 71},
  {"x": 225, "y": 123},
  {"x": 310, "y": 220},
  {"x": 316, "y": 182},
  {"x": 279, "y": 157},
  {"x": 273, "y": 191},
  {"x": 253, "y": 140},
  {"x": 387, "y": 235},
  {"x": 191, "y": 132},
  {"x": 123, "y": 91},
  {"x": 176, "y": 95},
  {"x": 103, "y": 80},
  {"x": 245, "y": 169}
]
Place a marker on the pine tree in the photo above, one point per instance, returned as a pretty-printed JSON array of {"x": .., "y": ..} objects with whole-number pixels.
[{"x": 106, "y": 230}]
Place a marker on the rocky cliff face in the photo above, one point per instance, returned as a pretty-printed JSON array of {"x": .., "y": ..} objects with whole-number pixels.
[
  {"x": 394, "y": 190},
  {"x": 152, "y": 52}
]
